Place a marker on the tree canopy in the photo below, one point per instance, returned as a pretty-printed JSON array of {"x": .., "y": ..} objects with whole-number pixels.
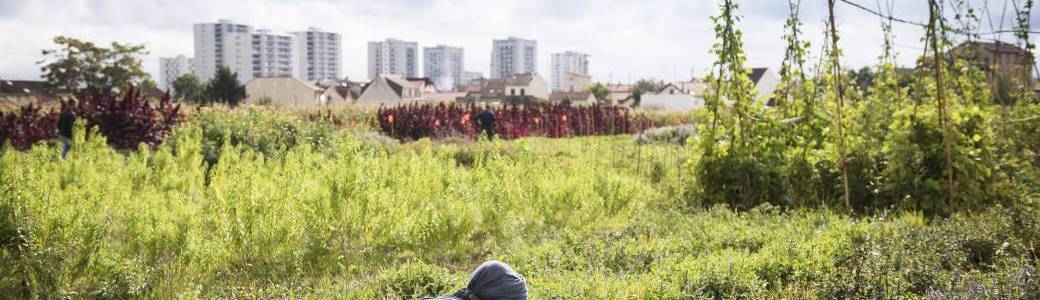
[
  {"x": 81, "y": 66},
  {"x": 225, "y": 88},
  {"x": 189, "y": 88}
]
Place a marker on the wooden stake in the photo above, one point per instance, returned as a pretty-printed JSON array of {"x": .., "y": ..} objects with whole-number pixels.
[
  {"x": 841, "y": 114},
  {"x": 951, "y": 185}
]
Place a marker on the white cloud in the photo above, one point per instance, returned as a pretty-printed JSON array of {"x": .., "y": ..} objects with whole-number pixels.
[{"x": 627, "y": 39}]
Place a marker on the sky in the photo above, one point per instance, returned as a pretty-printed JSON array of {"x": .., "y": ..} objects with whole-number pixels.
[{"x": 627, "y": 40}]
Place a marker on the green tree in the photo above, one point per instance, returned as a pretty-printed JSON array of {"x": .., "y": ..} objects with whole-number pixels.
[
  {"x": 599, "y": 91},
  {"x": 642, "y": 87},
  {"x": 225, "y": 88},
  {"x": 80, "y": 66},
  {"x": 188, "y": 88},
  {"x": 864, "y": 78}
]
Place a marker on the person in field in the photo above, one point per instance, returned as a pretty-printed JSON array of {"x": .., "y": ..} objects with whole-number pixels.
[
  {"x": 493, "y": 280},
  {"x": 66, "y": 121},
  {"x": 486, "y": 120}
]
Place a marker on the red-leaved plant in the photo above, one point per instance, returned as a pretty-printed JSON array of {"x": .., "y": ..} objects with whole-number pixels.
[
  {"x": 415, "y": 121},
  {"x": 125, "y": 122},
  {"x": 28, "y": 125}
]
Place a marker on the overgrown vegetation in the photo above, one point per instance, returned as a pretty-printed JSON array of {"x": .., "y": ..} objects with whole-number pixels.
[
  {"x": 888, "y": 188},
  {"x": 594, "y": 217},
  {"x": 935, "y": 147}
]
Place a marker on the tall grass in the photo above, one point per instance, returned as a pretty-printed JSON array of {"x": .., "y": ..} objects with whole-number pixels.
[{"x": 585, "y": 218}]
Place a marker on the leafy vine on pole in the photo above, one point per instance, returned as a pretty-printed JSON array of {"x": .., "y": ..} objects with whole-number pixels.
[{"x": 835, "y": 56}]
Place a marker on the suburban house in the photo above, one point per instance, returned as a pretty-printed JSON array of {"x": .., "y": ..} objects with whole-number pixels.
[
  {"x": 342, "y": 92},
  {"x": 575, "y": 98},
  {"x": 669, "y": 89},
  {"x": 20, "y": 92},
  {"x": 618, "y": 93},
  {"x": 1003, "y": 60},
  {"x": 672, "y": 98},
  {"x": 765, "y": 82},
  {"x": 485, "y": 90},
  {"x": 389, "y": 89},
  {"x": 694, "y": 86},
  {"x": 575, "y": 82},
  {"x": 426, "y": 85},
  {"x": 284, "y": 91},
  {"x": 527, "y": 84}
]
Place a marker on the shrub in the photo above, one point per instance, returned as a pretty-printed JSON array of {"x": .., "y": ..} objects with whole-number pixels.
[
  {"x": 413, "y": 280},
  {"x": 259, "y": 130}
]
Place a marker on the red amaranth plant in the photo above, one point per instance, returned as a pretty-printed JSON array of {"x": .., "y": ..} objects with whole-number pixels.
[
  {"x": 126, "y": 123},
  {"x": 130, "y": 121},
  {"x": 28, "y": 125},
  {"x": 415, "y": 121}
]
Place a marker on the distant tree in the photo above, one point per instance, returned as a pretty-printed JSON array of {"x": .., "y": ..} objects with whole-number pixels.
[
  {"x": 642, "y": 87},
  {"x": 148, "y": 85},
  {"x": 188, "y": 88},
  {"x": 79, "y": 66},
  {"x": 600, "y": 91},
  {"x": 863, "y": 78},
  {"x": 225, "y": 88}
]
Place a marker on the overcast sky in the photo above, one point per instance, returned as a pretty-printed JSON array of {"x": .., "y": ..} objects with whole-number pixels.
[{"x": 631, "y": 39}]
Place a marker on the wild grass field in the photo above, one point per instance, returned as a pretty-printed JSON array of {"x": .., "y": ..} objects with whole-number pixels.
[
  {"x": 915, "y": 184},
  {"x": 258, "y": 204}
]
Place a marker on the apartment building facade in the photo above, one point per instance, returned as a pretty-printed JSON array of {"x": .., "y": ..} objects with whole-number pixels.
[
  {"x": 444, "y": 65},
  {"x": 223, "y": 44},
  {"x": 513, "y": 56},
  {"x": 273, "y": 54},
  {"x": 565, "y": 63},
  {"x": 393, "y": 57},
  {"x": 171, "y": 68},
  {"x": 318, "y": 55}
]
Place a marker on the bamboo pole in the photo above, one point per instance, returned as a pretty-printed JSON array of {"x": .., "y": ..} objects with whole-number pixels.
[
  {"x": 951, "y": 184},
  {"x": 840, "y": 94}
]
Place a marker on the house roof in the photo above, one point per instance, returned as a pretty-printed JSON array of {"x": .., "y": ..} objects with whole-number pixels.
[
  {"x": 521, "y": 79},
  {"x": 756, "y": 74},
  {"x": 420, "y": 81},
  {"x": 487, "y": 88},
  {"x": 578, "y": 96},
  {"x": 347, "y": 89},
  {"x": 397, "y": 84},
  {"x": 666, "y": 86},
  {"x": 28, "y": 87},
  {"x": 343, "y": 91},
  {"x": 285, "y": 78}
]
